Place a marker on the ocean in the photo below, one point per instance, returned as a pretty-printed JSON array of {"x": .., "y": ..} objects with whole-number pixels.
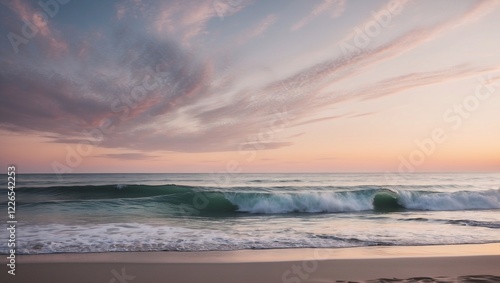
[{"x": 82, "y": 213}]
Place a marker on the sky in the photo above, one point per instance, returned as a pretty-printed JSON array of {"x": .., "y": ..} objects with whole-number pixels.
[{"x": 233, "y": 86}]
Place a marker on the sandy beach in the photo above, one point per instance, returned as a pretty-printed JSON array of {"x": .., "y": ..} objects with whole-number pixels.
[{"x": 368, "y": 264}]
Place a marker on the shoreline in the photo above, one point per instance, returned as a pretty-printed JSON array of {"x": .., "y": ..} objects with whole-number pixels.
[
  {"x": 273, "y": 255},
  {"x": 277, "y": 265}
]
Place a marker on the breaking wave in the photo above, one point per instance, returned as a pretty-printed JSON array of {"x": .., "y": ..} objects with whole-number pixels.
[{"x": 202, "y": 200}]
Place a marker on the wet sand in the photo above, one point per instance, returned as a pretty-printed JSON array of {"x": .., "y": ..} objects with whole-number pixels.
[{"x": 456, "y": 263}]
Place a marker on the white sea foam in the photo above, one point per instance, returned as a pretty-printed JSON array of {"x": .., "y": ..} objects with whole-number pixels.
[
  {"x": 301, "y": 202},
  {"x": 466, "y": 200},
  {"x": 314, "y": 202},
  {"x": 88, "y": 213},
  {"x": 116, "y": 237}
]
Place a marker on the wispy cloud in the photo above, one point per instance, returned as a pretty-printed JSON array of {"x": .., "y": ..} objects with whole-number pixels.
[
  {"x": 334, "y": 7},
  {"x": 186, "y": 19},
  {"x": 115, "y": 80},
  {"x": 410, "y": 81},
  {"x": 257, "y": 30},
  {"x": 382, "y": 10},
  {"x": 128, "y": 156},
  {"x": 311, "y": 121},
  {"x": 154, "y": 79},
  {"x": 39, "y": 26}
]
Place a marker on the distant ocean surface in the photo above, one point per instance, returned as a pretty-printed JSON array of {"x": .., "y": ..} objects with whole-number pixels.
[{"x": 200, "y": 212}]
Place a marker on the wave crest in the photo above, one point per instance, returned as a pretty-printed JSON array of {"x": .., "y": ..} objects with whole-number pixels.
[
  {"x": 200, "y": 200},
  {"x": 311, "y": 202},
  {"x": 464, "y": 200}
]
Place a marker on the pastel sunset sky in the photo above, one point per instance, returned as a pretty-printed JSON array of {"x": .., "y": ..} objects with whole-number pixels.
[{"x": 249, "y": 86}]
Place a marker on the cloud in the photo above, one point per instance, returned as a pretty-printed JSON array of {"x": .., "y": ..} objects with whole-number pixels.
[
  {"x": 398, "y": 84},
  {"x": 493, "y": 81},
  {"x": 301, "y": 92},
  {"x": 335, "y": 7},
  {"x": 157, "y": 91},
  {"x": 187, "y": 19},
  {"x": 311, "y": 81},
  {"x": 361, "y": 115},
  {"x": 297, "y": 135},
  {"x": 121, "y": 10},
  {"x": 128, "y": 156},
  {"x": 311, "y": 121},
  {"x": 38, "y": 23},
  {"x": 410, "y": 81},
  {"x": 39, "y": 102},
  {"x": 423, "y": 34},
  {"x": 380, "y": 13},
  {"x": 154, "y": 78},
  {"x": 338, "y": 9},
  {"x": 257, "y": 30}
]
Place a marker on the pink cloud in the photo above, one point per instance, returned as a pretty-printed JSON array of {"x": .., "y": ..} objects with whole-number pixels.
[
  {"x": 188, "y": 19},
  {"x": 41, "y": 21},
  {"x": 336, "y": 7},
  {"x": 257, "y": 30}
]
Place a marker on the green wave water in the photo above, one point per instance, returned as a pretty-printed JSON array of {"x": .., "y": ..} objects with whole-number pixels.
[
  {"x": 201, "y": 200},
  {"x": 195, "y": 212}
]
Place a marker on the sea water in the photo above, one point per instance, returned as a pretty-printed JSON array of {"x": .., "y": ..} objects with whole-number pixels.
[{"x": 200, "y": 212}]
